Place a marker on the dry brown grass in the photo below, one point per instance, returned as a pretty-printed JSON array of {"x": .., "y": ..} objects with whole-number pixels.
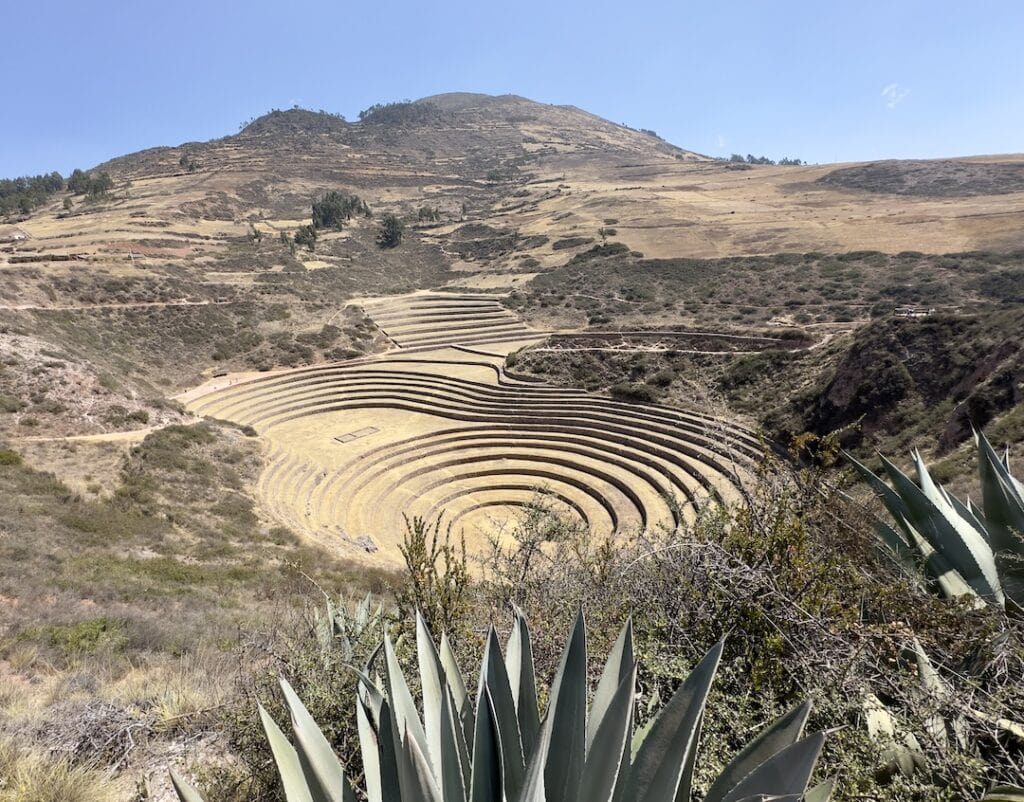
[{"x": 29, "y": 775}]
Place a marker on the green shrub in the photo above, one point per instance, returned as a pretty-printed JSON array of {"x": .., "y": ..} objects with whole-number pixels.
[
  {"x": 82, "y": 637},
  {"x": 390, "y": 233},
  {"x": 334, "y": 208},
  {"x": 306, "y": 237},
  {"x": 637, "y": 393},
  {"x": 8, "y": 458}
]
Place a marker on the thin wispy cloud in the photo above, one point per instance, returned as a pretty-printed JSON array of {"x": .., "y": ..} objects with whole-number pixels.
[
  {"x": 894, "y": 94},
  {"x": 720, "y": 142}
]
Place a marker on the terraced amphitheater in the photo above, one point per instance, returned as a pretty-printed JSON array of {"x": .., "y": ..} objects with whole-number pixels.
[{"x": 438, "y": 425}]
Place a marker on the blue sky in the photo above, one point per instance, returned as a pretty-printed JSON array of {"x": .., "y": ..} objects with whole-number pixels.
[{"x": 830, "y": 80}]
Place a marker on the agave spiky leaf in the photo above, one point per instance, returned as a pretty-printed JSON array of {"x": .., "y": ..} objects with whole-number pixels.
[
  {"x": 902, "y": 753},
  {"x": 455, "y": 762},
  {"x": 416, "y": 778},
  {"x": 957, "y": 539},
  {"x": 519, "y": 657},
  {"x": 486, "y": 784},
  {"x": 784, "y": 732},
  {"x": 785, "y": 774},
  {"x": 608, "y": 751},
  {"x": 958, "y": 554},
  {"x": 433, "y": 689},
  {"x": 369, "y": 746},
  {"x": 620, "y": 664},
  {"x": 663, "y": 767},
  {"x": 457, "y": 685},
  {"x": 822, "y": 792},
  {"x": 494, "y": 677},
  {"x": 323, "y": 772},
  {"x": 1002, "y": 498},
  {"x": 568, "y": 715},
  {"x": 185, "y": 792},
  {"x": 293, "y": 778},
  {"x": 390, "y": 744},
  {"x": 403, "y": 708}
]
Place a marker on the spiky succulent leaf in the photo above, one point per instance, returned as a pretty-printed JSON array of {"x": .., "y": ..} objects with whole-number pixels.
[
  {"x": 390, "y": 743},
  {"x": 959, "y": 539},
  {"x": 1002, "y": 500},
  {"x": 952, "y": 536},
  {"x": 403, "y": 708},
  {"x": 457, "y": 684},
  {"x": 455, "y": 765},
  {"x": 519, "y": 659},
  {"x": 822, "y": 792},
  {"x": 568, "y": 713},
  {"x": 486, "y": 782},
  {"x": 494, "y": 677},
  {"x": 784, "y": 732},
  {"x": 362, "y": 616},
  {"x": 185, "y": 792},
  {"x": 608, "y": 756},
  {"x": 660, "y": 770},
  {"x": 939, "y": 690},
  {"x": 901, "y": 754},
  {"x": 432, "y": 688},
  {"x": 617, "y": 668},
  {"x": 369, "y": 746},
  {"x": 901, "y": 547},
  {"x": 533, "y": 785},
  {"x": 950, "y": 582},
  {"x": 416, "y": 777},
  {"x": 787, "y": 773},
  {"x": 293, "y": 778},
  {"x": 326, "y": 779}
]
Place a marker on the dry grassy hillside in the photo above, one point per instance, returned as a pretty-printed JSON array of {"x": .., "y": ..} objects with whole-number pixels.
[
  {"x": 544, "y": 179},
  {"x": 113, "y": 305},
  {"x": 199, "y": 416}
]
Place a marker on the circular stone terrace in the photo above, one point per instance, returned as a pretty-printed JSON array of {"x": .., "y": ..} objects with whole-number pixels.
[{"x": 438, "y": 425}]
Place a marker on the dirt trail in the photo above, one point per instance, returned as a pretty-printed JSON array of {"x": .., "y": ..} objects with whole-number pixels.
[
  {"x": 131, "y": 436},
  {"x": 121, "y": 305}
]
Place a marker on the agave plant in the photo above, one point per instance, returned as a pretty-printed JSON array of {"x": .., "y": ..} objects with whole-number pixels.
[
  {"x": 966, "y": 551},
  {"x": 945, "y": 726},
  {"x": 336, "y": 629},
  {"x": 500, "y": 750}
]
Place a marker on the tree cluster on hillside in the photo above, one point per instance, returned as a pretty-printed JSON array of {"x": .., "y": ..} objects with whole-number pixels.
[
  {"x": 404, "y": 112},
  {"x": 306, "y": 237},
  {"x": 332, "y": 114},
  {"x": 94, "y": 186},
  {"x": 334, "y": 208},
  {"x": 391, "y": 230},
  {"x": 750, "y": 158},
  {"x": 24, "y": 194}
]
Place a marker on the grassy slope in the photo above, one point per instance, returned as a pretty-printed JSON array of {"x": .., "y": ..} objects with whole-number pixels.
[
  {"x": 892, "y": 382},
  {"x": 121, "y": 607}
]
